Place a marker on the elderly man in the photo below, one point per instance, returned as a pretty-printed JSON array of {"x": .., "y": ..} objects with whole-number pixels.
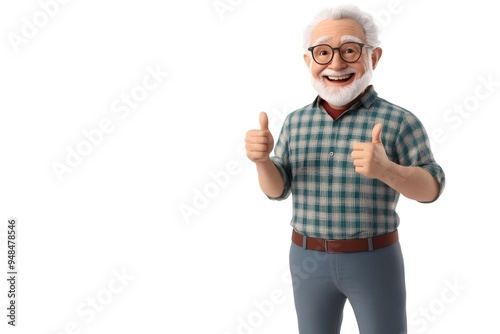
[{"x": 346, "y": 158}]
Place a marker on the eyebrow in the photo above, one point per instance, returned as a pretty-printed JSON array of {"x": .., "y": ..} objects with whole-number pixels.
[
  {"x": 343, "y": 39},
  {"x": 349, "y": 38},
  {"x": 323, "y": 39}
]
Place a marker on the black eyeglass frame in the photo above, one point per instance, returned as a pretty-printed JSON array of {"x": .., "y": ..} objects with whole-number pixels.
[{"x": 340, "y": 54}]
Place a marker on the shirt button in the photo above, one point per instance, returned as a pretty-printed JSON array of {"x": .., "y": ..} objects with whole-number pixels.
[{"x": 331, "y": 154}]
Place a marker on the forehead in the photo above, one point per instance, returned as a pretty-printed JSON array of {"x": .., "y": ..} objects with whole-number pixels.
[{"x": 335, "y": 29}]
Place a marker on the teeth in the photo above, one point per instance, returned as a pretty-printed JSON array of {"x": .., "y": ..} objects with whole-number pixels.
[{"x": 339, "y": 78}]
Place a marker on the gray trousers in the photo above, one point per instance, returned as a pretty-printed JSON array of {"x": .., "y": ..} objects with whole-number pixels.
[{"x": 373, "y": 282}]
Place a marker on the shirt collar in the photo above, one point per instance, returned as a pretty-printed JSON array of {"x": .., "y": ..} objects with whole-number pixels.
[{"x": 366, "y": 100}]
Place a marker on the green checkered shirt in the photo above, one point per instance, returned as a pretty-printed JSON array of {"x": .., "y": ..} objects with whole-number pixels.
[{"x": 313, "y": 155}]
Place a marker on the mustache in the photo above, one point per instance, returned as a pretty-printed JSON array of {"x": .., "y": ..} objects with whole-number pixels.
[{"x": 329, "y": 72}]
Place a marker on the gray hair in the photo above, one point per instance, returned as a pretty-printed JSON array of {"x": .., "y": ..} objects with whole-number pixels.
[{"x": 346, "y": 11}]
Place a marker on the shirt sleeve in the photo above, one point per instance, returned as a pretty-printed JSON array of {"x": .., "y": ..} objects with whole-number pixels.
[
  {"x": 413, "y": 149},
  {"x": 282, "y": 162}
]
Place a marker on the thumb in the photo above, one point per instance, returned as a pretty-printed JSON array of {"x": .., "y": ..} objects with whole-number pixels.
[
  {"x": 264, "y": 122},
  {"x": 376, "y": 133}
]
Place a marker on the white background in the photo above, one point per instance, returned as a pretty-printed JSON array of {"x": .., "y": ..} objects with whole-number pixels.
[{"x": 120, "y": 209}]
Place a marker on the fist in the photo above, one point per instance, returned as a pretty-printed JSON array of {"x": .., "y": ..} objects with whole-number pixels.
[
  {"x": 370, "y": 159},
  {"x": 259, "y": 143}
]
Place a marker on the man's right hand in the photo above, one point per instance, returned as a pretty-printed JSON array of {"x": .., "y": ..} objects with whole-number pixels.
[{"x": 259, "y": 143}]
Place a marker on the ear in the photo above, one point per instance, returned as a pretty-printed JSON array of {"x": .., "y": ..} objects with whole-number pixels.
[
  {"x": 376, "y": 54},
  {"x": 307, "y": 59}
]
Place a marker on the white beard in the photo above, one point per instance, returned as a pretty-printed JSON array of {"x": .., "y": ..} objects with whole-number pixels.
[{"x": 341, "y": 96}]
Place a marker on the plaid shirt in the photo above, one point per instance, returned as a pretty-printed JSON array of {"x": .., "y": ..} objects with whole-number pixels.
[{"x": 313, "y": 155}]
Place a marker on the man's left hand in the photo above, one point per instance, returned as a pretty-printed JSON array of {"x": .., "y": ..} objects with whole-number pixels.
[{"x": 370, "y": 159}]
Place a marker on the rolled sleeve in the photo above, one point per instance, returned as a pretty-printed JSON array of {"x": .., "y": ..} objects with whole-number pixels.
[
  {"x": 282, "y": 162},
  {"x": 284, "y": 170},
  {"x": 413, "y": 149}
]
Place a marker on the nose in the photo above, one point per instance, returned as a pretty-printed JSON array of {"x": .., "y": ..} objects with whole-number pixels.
[{"x": 337, "y": 63}]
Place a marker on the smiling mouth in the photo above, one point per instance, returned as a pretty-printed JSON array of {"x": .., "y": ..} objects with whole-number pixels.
[{"x": 340, "y": 79}]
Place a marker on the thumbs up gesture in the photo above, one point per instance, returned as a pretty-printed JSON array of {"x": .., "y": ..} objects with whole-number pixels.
[
  {"x": 370, "y": 159},
  {"x": 260, "y": 143}
]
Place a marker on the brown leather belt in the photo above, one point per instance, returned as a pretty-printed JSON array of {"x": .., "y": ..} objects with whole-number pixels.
[{"x": 345, "y": 246}]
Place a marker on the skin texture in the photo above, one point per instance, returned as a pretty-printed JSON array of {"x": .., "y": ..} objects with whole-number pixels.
[{"x": 369, "y": 159}]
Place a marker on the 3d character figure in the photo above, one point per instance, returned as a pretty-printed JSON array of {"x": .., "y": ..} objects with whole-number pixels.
[{"x": 345, "y": 159}]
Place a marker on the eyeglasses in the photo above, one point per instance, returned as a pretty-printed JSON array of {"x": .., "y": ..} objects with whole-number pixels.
[{"x": 350, "y": 52}]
